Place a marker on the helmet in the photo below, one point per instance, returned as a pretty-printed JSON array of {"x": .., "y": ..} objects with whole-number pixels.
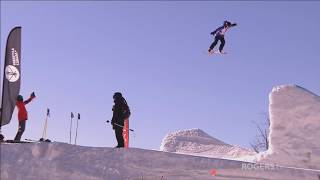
[
  {"x": 19, "y": 98},
  {"x": 226, "y": 23},
  {"x": 117, "y": 95}
]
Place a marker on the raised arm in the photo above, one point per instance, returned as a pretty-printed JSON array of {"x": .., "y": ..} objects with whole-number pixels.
[
  {"x": 28, "y": 100},
  {"x": 32, "y": 96},
  {"x": 234, "y": 24}
]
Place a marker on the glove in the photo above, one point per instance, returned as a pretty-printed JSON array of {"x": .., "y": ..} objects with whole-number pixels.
[
  {"x": 32, "y": 95},
  {"x": 112, "y": 123}
]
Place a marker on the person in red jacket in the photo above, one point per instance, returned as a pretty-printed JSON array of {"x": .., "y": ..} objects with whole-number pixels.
[{"x": 22, "y": 114}]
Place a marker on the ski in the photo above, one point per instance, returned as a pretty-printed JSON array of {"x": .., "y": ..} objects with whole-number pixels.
[
  {"x": 40, "y": 140},
  {"x": 26, "y": 141},
  {"x": 14, "y": 141}
]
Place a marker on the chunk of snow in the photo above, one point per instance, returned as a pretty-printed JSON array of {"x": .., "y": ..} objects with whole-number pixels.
[{"x": 294, "y": 128}]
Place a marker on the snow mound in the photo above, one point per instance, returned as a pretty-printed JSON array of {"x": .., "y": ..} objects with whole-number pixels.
[
  {"x": 294, "y": 128},
  {"x": 60, "y": 161},
  {"x": 197, "y": 142}
]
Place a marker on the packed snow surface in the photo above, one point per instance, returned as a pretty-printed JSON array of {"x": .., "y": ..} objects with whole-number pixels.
[{"x": 60, "y": 161}]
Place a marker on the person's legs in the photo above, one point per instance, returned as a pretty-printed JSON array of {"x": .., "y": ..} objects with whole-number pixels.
[
  {"x": 22, "y": 126},
  {"x": 118, "y": 132},
  {"x": 222, "y": 43},
  {"x": 214, "y": 43}
]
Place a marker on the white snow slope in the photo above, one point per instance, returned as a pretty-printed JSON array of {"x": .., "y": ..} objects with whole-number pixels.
[
  {"x": 60, "y": 161},
  {"x": 196, "y": 142},
  {"x": 295, "y": 128}
]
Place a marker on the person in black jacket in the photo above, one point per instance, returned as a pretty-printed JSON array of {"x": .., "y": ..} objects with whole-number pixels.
[
  {"x": 219, "y": 35},
  {"x": 121, "y": 111}
]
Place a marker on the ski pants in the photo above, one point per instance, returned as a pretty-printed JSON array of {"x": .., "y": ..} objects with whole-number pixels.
[
  {"x": 118, "y": 132},
  {"x": 216, "y": 39},
  {"x": 22, "y": 127}
]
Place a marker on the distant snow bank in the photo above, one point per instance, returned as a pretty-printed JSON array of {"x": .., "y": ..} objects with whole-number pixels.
[{"x": 197, "y": 142}]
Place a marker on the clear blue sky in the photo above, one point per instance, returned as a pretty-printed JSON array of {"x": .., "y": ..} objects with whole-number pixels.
[{"x": 75, "y": 55}]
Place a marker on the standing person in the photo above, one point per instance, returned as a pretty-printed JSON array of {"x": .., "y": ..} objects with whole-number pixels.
[
  {"x": 22, "y": 114},
  {"x": 121, "y": 111},
  {"x": 219, "y": 35}
]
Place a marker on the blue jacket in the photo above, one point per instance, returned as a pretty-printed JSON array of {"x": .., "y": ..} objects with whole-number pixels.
[{"x": 221, "y": 30}]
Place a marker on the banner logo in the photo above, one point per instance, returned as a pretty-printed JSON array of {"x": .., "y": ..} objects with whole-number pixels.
[
  {"x": 15, "y": 57},
  {"x": 12, "y": 73}
]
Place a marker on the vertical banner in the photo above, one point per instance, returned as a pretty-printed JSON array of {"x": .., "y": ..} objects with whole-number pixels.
[
  {"x": 12, "y": 75},
  {"x": 125, "y": 133}
]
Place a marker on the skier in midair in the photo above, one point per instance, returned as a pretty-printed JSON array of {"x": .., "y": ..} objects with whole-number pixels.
[
  {"x": 121, "y": 111},
  {"x": 22, "y": 114},
  {"x": 219, "y": 35}
]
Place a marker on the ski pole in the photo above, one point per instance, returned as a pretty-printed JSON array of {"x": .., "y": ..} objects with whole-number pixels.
[
  {"x": 72, "y": 116},
  {"x": 44, "y": 133},
  {"x": 119, "y": 125},
  {"x": 75, "y": 140}
]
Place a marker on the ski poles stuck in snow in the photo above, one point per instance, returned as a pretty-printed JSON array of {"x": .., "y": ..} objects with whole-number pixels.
[
  {"x": 44, "y": 133},
  {"x": 70, "y": 135},
  {"x": 75, "y": 140},
  {"x": 72, "y": 116}
]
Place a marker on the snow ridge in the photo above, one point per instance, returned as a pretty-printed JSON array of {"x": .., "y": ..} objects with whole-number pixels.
[{"x": 197, "y": 142}]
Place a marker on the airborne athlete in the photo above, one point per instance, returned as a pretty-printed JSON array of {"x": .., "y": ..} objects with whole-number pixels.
[{"x": 219, "y": 36}]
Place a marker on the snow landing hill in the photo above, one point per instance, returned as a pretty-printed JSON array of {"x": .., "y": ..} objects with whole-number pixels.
[{"x": 293, "y": 154}]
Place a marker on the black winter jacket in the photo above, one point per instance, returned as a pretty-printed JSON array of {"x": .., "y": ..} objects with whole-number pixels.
[{"x": 121, "y": 112}]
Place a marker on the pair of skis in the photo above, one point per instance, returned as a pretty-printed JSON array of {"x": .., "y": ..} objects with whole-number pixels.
[
  {"x": 26, "y": 141},
  {"x": 216, "y": 52}
]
